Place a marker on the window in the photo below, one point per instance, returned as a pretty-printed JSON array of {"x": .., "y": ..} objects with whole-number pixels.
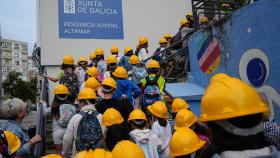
[
  {"x": 16, "y": 46},
  {"x": 24, "y": 47},
  {"x": 16, "y": 62},
  {"x": 17, "y": 54}
]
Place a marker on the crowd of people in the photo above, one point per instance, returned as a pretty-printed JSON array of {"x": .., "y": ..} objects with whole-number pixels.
[{"x": 116, "y": 108}]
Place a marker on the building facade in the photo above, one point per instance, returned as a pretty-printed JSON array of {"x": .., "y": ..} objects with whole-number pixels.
[{"x": 14, "y": 57}]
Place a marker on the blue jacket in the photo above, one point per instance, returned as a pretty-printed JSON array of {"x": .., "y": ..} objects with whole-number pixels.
[
  {"x": 15, "y": 127},
  {"x": 128, "y": 88},
  {"x": 124, "y": 62}
]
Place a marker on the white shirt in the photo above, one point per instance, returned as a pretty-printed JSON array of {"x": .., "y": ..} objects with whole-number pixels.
[
  {"x": 164, "y": 134},
  {"x": 143, "y": 54}
]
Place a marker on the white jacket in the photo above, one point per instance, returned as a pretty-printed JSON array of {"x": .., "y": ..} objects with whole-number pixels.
[
  {"x": 164, "y": 134},
  {"x": 71, "y": 131},
  {"x": 148, "y": 141}
]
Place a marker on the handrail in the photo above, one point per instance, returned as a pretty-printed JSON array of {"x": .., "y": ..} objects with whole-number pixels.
[
  {"x": 169, "y": 47},
  {"x": 39, "y": 148},
  {"x": 173, "y": 55}
]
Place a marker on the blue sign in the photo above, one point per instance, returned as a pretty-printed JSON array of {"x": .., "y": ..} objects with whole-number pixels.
[{"x": 90, "y": 19}]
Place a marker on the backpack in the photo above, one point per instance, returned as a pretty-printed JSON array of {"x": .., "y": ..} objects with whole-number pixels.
[
  {"x": 71, "y": 81},
  {"x": 66, "y": 112},
  {"x": 89, "y": 131},
  {"x": 138, "y": 74},
  {"x": 151, "y": 92}
]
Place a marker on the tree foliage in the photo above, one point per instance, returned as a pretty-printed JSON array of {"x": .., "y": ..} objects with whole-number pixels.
[{"x": 14, "y": 86}]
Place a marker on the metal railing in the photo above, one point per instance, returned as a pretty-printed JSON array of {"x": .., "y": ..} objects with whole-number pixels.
[
  {"x": 39, "y": 148},
  {"x": 181, "y": 51},
  {"x": 213, "y": 9}
]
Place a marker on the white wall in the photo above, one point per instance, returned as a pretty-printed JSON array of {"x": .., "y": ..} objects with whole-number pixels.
[{"x": 151, "y": 18}]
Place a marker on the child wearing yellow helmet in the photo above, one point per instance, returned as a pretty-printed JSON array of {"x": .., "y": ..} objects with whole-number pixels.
[
  {"x": 234, "y": 112},
  {"x": 161, "y": 126},
  {"x": 117, "y": 127},
  {"x": 148, "y": 141},
  {"x": 124, "y": 61},
  {"x": 109, "y": 86},
  {"x": 112, "y": 63}
]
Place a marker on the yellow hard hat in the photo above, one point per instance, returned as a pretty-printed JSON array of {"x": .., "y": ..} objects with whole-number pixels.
[
  {"x": 158, "y": 109},
  {"x": 143, "y": 40},
  {"x": 61, "y": 89},
  {"x": 153, "y": 64},
  {"x": 218, "y": 76},
  {"x": 134, "y": 59},
  {"x": 92, "y": 83},
  {"x": 230, "y": 97},
  {"x": 97, "y": 153},
  {"x": 184, "y": 142},
  {"x": 111, "y": 117},
  {"x": 137, "y": 114},
  {"x": 109, "y": 81},
  {"x": 179, "y": 104},
  {"x": 120, "y": 72},
  {"x": 183, "y": 22},
  {"x": 184, "y": 118},
  {"x": 68, "y": 59},
  {"x": 203, "y": 19},
  {"x": 82, "y": 59},
  {"x": 99, "y": 51},
  {"x": 92, "y": 55},
  {"x": 52, "y": 156},
  {"x": 111, "y": 60},
  {"x": 189, "y": 14},
  {"x": 93, "y": 72},
  {"x": 87, "y": 93},
  {"x": 127, "y": 49},
  {"x": 167, "y": 35},
  {"x": 127, "y": 149},
  {"x": 114, "y": 49},
  {"x": 13, "y": 141},
  {"x": 162, "y": 40}
]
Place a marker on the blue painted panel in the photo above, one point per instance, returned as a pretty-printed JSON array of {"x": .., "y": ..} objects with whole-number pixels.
[
  {"x": 90, "y": 19},
  {"x": 187, "y": 91},
  {"x": 249, "y": 40},
  {"x": 195, "y": 107}
]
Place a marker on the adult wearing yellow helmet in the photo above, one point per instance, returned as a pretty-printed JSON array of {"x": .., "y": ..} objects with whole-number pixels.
[
  {"x": 109, "y": 86},
  {"x": 74, "y": 140},
  {"x": 143, "y": 52},
  {"x": 234, "y": 112},
  {"x": 117, "y": 128}
]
